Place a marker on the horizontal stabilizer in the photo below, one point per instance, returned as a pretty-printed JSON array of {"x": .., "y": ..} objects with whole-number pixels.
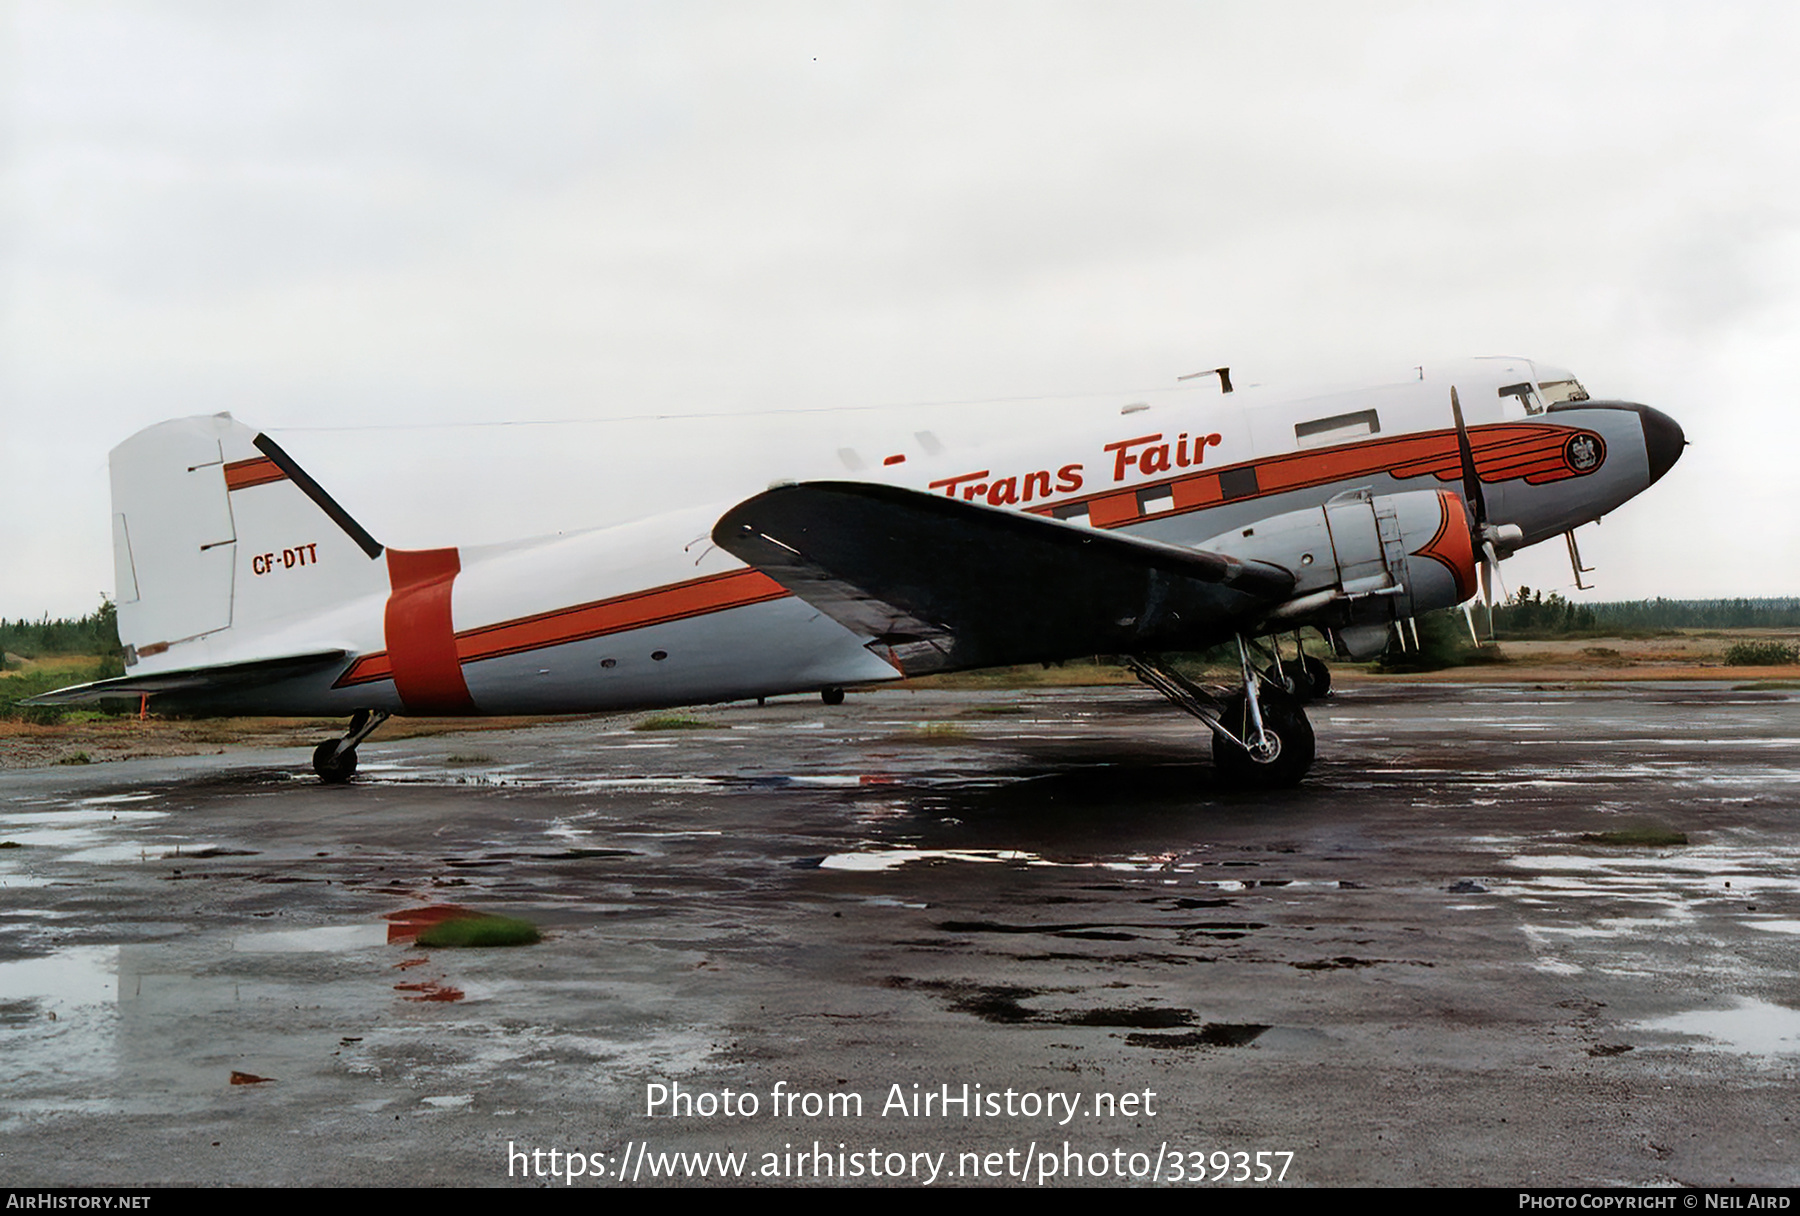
[
  {"x": 941, "y": 583},
  {"x": 194, "y": 679}
]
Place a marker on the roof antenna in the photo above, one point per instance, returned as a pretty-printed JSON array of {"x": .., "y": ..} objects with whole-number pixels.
[{"x": 1223, "y": 373}]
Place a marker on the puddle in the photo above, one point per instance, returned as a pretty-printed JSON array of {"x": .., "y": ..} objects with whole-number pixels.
[
  {"x": 1754, "y": 1027},
  {"x": 80, "y": 975},
  {"x": 891, "y": 859},
  {"x": 330, "y": 938}
]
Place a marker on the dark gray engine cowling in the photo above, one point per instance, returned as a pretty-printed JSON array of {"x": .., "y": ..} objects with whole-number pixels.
[{"x": 1363, "y": 561}]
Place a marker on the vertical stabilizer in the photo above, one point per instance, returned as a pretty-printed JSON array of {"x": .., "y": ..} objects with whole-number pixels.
[
  {"x": 214, "y": 540},
  {"x": 174, "y": 543}
]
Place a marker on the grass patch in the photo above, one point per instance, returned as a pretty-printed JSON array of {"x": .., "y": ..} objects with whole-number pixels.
[
  {"x": 678, "y": 722},
  {"x": 939, "y": 732},
  {"x": 987, "y": 710},
  {"x": 1076, "y": 673},
  {"x": 468, "y": 759},
  {"x": 76, "y": 758},
  {"x": 46, "y": 677},
  {"x": 1636, "y": 838},
  {"x": 480, "y": 931},
  {"x": 1767, "y": 686}
]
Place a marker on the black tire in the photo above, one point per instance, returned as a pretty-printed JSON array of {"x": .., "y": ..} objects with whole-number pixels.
[
  {"x": 832, "y": 696},
  {"x": 1318, "y": 675},
  {"x": 1292, "y": 756},
  {"x": 1303, "y": 679},
  {"x": 333, "y": 770},
  {"x": 1290, "y": 680}
]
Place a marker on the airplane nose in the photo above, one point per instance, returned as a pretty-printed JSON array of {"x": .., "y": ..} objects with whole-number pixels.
[{"x": 1663, "y": 441}]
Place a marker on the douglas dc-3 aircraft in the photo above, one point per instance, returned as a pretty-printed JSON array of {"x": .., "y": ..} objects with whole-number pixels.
[{"x": 1169, "y": 524}]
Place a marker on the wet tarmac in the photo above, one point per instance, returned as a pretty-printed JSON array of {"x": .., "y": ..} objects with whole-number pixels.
[{"x": 1413, "y": 969}]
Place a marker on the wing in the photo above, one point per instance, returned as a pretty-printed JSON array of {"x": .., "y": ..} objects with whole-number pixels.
[
  {"x": 937, "y": 584},
  {"x": 219, "y": 678}
]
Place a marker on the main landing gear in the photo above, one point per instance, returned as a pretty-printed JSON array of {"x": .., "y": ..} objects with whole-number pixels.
[
  {"x": 335, "y": 759},
  {"x": 1261, "y": 737}
]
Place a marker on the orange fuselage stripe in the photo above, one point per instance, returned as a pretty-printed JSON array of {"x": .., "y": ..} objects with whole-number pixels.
[
  {"x": 619, "y": 614},
  {"x": 1503, "y": 452}
]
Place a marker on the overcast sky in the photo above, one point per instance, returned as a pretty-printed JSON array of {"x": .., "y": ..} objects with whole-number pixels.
[{"x": 376, "y": 215}]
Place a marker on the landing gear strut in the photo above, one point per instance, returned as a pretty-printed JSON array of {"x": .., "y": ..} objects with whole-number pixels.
[
  {"x": 335, "y": 759},
  {"x": 1261, "y": 737}
]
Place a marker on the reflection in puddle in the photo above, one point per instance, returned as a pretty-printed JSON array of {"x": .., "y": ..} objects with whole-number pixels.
[
  {"x": 328, "y": 937},
  {"x": 1756, "y": 1027}
]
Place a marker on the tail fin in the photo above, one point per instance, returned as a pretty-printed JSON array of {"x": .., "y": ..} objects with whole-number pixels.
[{"x": 216, "y": 529}]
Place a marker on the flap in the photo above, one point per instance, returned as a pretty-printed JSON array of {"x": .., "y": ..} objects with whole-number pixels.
[{"x": 943, "y": 583}]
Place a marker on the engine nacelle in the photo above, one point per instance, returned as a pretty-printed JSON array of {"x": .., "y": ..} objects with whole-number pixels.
[{"x": 1363, "y": 561}]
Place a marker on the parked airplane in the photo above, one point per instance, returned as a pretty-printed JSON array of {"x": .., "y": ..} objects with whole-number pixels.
[{"x": 1172, "y": 523}]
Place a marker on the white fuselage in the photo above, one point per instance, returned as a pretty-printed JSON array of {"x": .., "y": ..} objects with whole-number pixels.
[{"x": 650, "y": 613}]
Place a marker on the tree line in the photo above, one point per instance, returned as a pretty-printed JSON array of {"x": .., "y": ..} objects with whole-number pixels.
[
  {"x": 1529, "y": 613},
  {"x": 97, "y": 633}
]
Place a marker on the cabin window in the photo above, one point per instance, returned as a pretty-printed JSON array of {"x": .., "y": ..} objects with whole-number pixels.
[
  {"x": 1339, "y": 428},
  {"x": 1155, "y": 500}
]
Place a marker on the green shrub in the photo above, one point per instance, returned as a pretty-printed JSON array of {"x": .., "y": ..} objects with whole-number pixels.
[{"x": 1761, "y": 654}]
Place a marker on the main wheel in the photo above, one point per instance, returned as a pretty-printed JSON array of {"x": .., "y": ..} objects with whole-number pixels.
[
  {"x": 832, "y": 696},
  {"x": 1305, "y": 679},
  {"x": 1286, "y": 749},
  {"x": 333, "y": 769}
]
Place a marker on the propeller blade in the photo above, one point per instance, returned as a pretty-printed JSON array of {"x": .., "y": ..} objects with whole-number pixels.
[{"x": 1471, "y": 478}]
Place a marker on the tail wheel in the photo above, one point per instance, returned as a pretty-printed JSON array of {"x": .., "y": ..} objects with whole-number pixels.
[
  {"x": 332, "y": 766},
  {"x": 1280, "y": 757},
  {"x": 832, "y": 696}
]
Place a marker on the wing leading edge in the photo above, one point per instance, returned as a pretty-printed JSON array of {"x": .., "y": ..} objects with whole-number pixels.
[{"x": 940, "y": 584}]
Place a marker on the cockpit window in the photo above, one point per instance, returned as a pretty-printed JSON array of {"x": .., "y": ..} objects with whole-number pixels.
[
  {"x": 1527, "y": 395},
  {"x": 1557, "y": 391}
]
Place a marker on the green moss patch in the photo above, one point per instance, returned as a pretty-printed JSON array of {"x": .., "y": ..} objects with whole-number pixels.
[{"x": 480, "y": 931}]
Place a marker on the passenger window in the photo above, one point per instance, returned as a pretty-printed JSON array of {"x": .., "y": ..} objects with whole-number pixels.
[{"x": 1339, "y": 428}]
